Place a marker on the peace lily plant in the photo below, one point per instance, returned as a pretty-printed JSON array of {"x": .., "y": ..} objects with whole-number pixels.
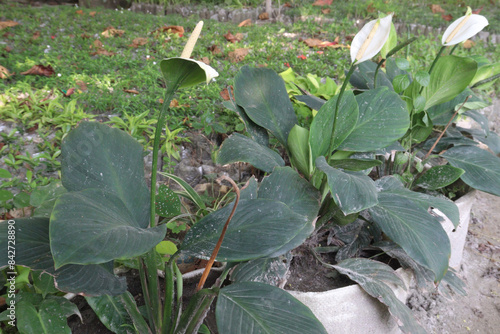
[{"x": 353, "y": 173}]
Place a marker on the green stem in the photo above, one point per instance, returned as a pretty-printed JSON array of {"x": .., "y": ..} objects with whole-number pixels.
[
  {"x": 137, "y": 318},
  {"x": 436, "y": 59},
  {"x": 376, "y": 73},
  {"x": 453, "y": 49}
]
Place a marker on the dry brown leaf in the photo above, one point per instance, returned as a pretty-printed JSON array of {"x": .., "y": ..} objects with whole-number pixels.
[
  {"x": 82, "y": 85},
  {"x": 469, "y": 44},
  {"x": 317, "y": 43},
  {"x": 68, "y": 93},
  {"x": 8, "y": 49},
  {"x": 84, "y": 36},
  {"x": 35, "y": 35},
  {"x": 233, "y": 38},
  {"x": 179, "y": 30},
  {"x": 4, "y": 73},
  {"x": 6, "y": 24},
  {"x": 103, "y": 53},
  {"x": 238, "y": 55},
  {"x": 79, "y": 12},
  {"x": 205, "y": 60},
  {"x": 224, "y": 94},
  {"x": 175, "y": 104},
  {"x": 92, "y": 14},
  {"x": 112, "y": 32},
  {"x": 477, "y": 11},
  {"x": 246, "y": 23},
  {"x": 326, "y": 10},
  {"x": 322, "y": 3},
  {"x": 214, "y": 49},
  {"x": 264, "y": 16},
  {"x": 40, "y": 70},
  {"x": 447, "y": 17},
  {"x": 97, "y": 44},
  {"x": 131, "y": 91},
  {"x": 139, "y": 41},
  {"x": 437, "y": 9}
]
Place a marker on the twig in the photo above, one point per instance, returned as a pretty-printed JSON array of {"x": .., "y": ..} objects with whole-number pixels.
[
  {"x": 446, "y": 128},
  {"x": 219, "y": 243}
]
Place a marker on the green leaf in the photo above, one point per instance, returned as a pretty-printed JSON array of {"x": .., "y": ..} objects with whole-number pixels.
[
  {"x": 5, "y": 174},
  {"x": 383, "y": 119},
  {"x": 181, "y": 72},
  {"x": 321, "y": 136},
  {"x": 190, "y": 192},
  {"x": 298, "y": 144},
  {"x": 423, "y": 78},
  {"x": 482, "y": 169},
  {"x": 287, "y": 186},
  {"x": 373, "y": 277},
  {"x": 43, "y": 198},
  {"x": 252, "y": 307},
  {"x": 402, "y": 63},
  {"x": 5, "y": 195},
  {"x": 33, "y": 251},
  {"x": 50, "y": 318},
  {"x": 245, "y": 239},
  {"x": 351, "y": 191},
  {"x": 240, "y": 148},
  {"x": 451, "y": 75},
  {"x": 363, "y": 76},
  {"x": 262, "y": 94},
  {"x": 167, "y": 203},
  {"x": 43, "y": 283},
  {"x": 22, "y": 200},
  {"x": 166, "y": 247},
  {"x": 355, "y": 165},
  {"x": 485, "y": 72},
  {"x": 111, "y": 312},
  {"x": 400, "y": 83},
  {"x": 414, "y": 229},
  {"x": 97, "y": 156},
  {"x": 93, "y": 226},
  {"x": 438, "y": 177}
]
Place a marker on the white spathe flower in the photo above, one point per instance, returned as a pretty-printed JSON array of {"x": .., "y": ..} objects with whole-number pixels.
[
  {"x": 464, "y": 28},
  {"x": 370, "y": 39},
  {"x": 185, "y": 71}
]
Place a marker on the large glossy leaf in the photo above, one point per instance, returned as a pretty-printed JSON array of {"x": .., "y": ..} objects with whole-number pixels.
[
  {"x": 33, "y": 251},
  {"x": 321, "y": 134},
  {"x": 440, "y": 114},
  {"x": 383, "y": 119},
  {"x": 252, "y": 308},
  {"x": 258, "y": 133},
  {"x": 438, "y": 177},
  {"x": 373, "y": 277},
  {"x": 410, "y": 226},
  {"x": 351, "y": 191},
  {"x": 287, "y": 186},
  {"x": 97, "y": 156},
  {"x": 262, "y": 94},
  {"x": 258, "y": 228},
  {"x": 48, "y": 319},
  {"x": 94, "y": 226},
  {"x": 364, "y": 74},
  {"x": 482, "y": 169},
  {"x": 451, "y": 75},
  {"x": 240, "y": 148},
  {"x": 112, "y": 313}
]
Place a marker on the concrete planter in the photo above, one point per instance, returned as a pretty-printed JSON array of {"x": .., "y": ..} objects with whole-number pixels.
[{"x": 352, "y": 310}]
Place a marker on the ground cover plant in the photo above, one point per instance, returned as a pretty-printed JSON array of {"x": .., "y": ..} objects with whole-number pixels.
[{"x": 285, "y": 173}]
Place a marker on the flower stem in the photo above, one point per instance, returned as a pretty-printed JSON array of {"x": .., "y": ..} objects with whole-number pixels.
[{"x": 436, "y": 59}]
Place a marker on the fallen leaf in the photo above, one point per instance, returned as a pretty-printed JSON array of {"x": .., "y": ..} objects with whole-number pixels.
[
  {"x": 238, "y": 55},
  {"x": 224, "y": 94},
  {"x": 103, "y": 53},
  {"x": 437, "y": 9},
  {"x": 322, "y": 3},
  {"x": 233, "y": 38},
  {"x": 4, "y": 73},
  {"x": 79, "y": 12},
  {"x": 139, "y": 41},
  {"x": 8, "y": 48},
  {"x": 84, "y": 36},
  {"x": 67, "y": 93},
  {"x": 35, "y": 35},
  {"x": 40, "y": 70},
  {"x": 112, "y": 32},
  {"x": 171, "y": 30},
  {"x": 469, "y": 44},
  {"x": 92, "y": 14},
  {"x": 326, "y": 10},
  {"x": 214, "y": 49},
  {"x": 264, "y": 16},
  {"x": 287, "y": 4},
  {"x": 131, "y": 91},
  {"x": 370, "y": 8},
  {"x": 175, "y": 104},
  {"x": 477, "y": 11},
  {"x": 302, "y": 57},
  {"x": 205, "y": 60},
  {"x": 97, "y": 44},
  {"x": 317, "y": 43},
  {"x": 6, "y": 24},
  {"x": 82, "y": 85},
  {"x": 246, "y": 23},
  {"x": 447, "y": 17}
]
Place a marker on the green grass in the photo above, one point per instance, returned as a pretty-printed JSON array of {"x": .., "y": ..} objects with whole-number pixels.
[{"x": 36, "y": 105}]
